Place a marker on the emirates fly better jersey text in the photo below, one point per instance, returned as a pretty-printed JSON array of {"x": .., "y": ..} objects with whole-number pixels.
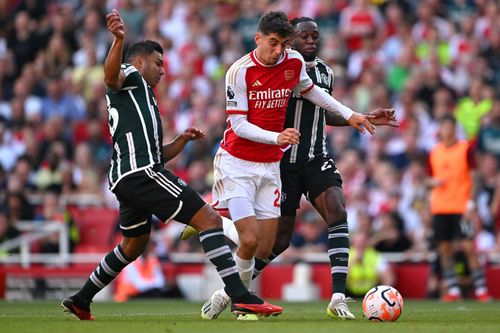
[
  {"x": 135, "y": 125},
  {"x": 262, "y": 93}
]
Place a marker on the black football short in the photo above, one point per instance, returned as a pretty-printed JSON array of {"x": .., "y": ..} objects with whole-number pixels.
[
  {"x": 157, "y": 191},
  {"x": 447, "y": 227},
  {"x": 308, "y": 178}
]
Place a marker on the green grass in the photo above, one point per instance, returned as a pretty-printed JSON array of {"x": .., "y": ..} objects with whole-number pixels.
[{"x": 183, "y": 317}]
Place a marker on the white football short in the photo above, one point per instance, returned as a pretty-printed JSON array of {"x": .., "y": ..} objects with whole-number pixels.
[{"x": 260, "y": 183}]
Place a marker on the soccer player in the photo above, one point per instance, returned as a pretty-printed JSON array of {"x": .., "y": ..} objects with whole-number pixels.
[
  {"x": 246, "y": 166},
  {"x": 142, "y": 185},
  {"x": 307, "y": 169},
  {"x": 452, "y": 205}
]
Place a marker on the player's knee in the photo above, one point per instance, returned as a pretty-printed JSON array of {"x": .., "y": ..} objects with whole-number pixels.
[
  {"x": 338, "y": 217},
  {"x": 134, "y": 246},
  {"x": 282, "y": 243},
  {"x": 248, "y": 242},
  {"x": 207, "y": 218}
]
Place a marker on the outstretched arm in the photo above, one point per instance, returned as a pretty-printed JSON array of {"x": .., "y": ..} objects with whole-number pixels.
[
  {"x": 378, "y": 117},
  {"x": 113, "y": 75},
  {"x": 322, "y": 99},
  {"x": 172, "y": 149}
]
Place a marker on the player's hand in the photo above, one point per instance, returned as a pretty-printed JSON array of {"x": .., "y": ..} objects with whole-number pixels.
[
  {"x": 383, "y": 117},
  {"x": 362, "y": 123},
  {"x": 289, "y": 136},
  {"x": 192, "y": 134},
  {"x": 115, "y": 24}
]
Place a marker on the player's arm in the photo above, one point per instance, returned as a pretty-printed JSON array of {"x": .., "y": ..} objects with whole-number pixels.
[
  {"x": 378, "y": 117},
  {"x": 321, "y": 98},
  {"x": 172, "y": 149},
  {"x": 113, "y": 75},
  {"x": 244, "y": 129}
]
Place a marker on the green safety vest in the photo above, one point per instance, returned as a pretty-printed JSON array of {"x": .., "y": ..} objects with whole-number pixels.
[{"x": 363, "y": 275}]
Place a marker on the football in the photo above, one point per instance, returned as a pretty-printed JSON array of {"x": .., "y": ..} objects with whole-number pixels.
[{"x": 382, "y": 303}]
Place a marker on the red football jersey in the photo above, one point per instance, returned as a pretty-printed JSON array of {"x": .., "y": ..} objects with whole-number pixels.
[{"x": 262, "y": 93}]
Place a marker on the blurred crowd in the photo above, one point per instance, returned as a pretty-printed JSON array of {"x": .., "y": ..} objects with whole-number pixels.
[{"x": 425, "y": 58}]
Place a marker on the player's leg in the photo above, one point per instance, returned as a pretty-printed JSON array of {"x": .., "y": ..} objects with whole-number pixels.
[
  {"x": 330, "y": 205},
  {"x": 190, "y": 209},
  {"x": 477, "y": 272},
  {"x": 324, "y": 187},
  {"x": 135, "y": 225},
  {"x": 444, "y": 228},
  {"x": 242, "y": 212}
]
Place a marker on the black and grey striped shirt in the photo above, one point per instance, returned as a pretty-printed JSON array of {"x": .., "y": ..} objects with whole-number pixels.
[
  {"x": 309, "y": 119},
  {"x": 135, "y": 125}
]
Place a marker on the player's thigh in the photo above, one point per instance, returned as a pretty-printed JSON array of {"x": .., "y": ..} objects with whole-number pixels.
[
  {"x": 167, "y": 196},
  {"x": 268, "y": 196},
  {"x": 321, "y": 175},
  {"x": 292, "y": 187},
  {"x": 234, "y": 178},
  {"x": 135, "y": 219}
]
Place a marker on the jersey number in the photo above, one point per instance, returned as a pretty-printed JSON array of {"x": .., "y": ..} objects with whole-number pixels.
[
  {"x": 277, "y": 200},
  {"x": 112, "y": 118},
  {"x": 326, "y": 165}
]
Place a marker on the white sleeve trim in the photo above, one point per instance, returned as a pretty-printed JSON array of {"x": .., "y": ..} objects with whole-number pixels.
[
  {"x": 246, "y": 130},
  {"x": 322, "y": 99}
]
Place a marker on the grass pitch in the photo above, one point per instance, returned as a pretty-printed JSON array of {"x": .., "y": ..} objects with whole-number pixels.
[{"x": 169, "y": 316}]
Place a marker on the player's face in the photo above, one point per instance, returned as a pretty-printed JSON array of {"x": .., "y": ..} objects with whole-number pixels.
[
  {"x": 270, "y": 47},
  {"x": 153, "y": 68},
  {"x": 306, "y": 39}
]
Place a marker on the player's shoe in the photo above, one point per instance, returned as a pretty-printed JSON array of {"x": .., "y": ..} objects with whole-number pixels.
[
  {"x": 77, "y": 307},
  {"x": 188, "y": 232},
  {"x": 251, "y": 304},
  {"x": 215, "y": 305},
  {"x": 450, "y": 297},
  {"x": 483, "y": 297},
  {"x": 337, "y": 308}
]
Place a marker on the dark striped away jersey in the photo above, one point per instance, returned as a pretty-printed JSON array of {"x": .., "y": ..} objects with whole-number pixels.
[
  {"x": 135, "y": 125},
  {"x": 309, "y": 119}
]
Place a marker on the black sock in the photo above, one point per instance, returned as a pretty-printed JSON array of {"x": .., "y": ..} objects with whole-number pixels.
[
  {"x": 260, "y": 264},
  {"x": 111, "y": 265},
  {"x": 338, "y": 252},
  {"x": 219, "y": 254}
]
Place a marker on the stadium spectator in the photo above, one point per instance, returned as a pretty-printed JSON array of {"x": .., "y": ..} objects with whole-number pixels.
[
  {"x": 8, "y": 231},
  {"x": 367, "y": 267}
]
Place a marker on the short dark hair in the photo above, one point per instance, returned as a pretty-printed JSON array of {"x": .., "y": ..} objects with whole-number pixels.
[
  {"x": 295, "y": 22},
  {"x": 143, "y": 47},
  {"x": 275, "y": 22}
]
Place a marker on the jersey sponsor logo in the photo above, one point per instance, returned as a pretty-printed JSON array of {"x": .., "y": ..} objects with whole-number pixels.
[
  {"x": 256, "y": 83},
  {"x": 289, "y": 75},
  {"x": 270, "y": 98},
  {"x": 230, "y": 93}
]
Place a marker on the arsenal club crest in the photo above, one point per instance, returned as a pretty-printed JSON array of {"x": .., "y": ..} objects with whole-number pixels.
[{"x": 289, "y": 75}]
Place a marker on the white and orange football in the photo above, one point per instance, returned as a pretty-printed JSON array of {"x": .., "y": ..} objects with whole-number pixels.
[{"x": 383, "y": 303}]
